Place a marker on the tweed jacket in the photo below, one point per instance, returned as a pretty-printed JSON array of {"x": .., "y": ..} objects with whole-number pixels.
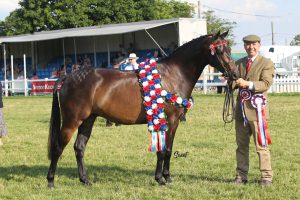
[{"x": 261, "y": 74}]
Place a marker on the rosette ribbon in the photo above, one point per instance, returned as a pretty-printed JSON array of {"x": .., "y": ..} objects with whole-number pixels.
[
  {"x": 245, "y": 95},
  {"x": 259, "y": 101}
]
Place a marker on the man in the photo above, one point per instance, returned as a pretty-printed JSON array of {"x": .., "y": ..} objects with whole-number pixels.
[
  {"x": 132, "y": 64},
  {"x": 255, "y": 77}
]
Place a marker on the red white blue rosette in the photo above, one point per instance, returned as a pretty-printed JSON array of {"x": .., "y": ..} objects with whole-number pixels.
[
  {"x": 259, "y": 101},
  {"x": 245, "y": 95},
  {"x": 154, "y": 98}
]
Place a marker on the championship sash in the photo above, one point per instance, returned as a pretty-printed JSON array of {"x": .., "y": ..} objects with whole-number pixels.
[
  {"x": 259, "y": 101},
  {"x": 154, "y": 98}
]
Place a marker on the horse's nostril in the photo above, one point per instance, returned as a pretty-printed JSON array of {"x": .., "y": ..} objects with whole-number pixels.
[{"x": 234, "y": 76}]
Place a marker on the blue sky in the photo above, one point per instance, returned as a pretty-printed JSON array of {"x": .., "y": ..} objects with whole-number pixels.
[
  {"x": 286, "y": 25},
  {"x": 286, "y": 18}
]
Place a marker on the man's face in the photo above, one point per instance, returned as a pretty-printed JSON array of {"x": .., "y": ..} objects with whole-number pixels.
[
  {"x": 132, "y": 60},
  {"x": 252, "y": 48}
]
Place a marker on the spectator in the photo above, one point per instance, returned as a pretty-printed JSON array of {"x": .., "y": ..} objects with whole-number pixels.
[
  {"x": 75, "y": 68},
  {"x": 87, "y": 61},
  {"x": 132, "y": 64},
  {"x": 157, "y": 55},
  {"x": 131, "y": 48},
  {"x": 3, "y": 130},
  {"x": 80, "y": 61},
  {"x": 34, "y": 76},
  {"x": 18, "y": 72},
  {"x": 116, "y": 64},
  {"x": 61, "y": 71},
  {"x": 54, "y": 73}
]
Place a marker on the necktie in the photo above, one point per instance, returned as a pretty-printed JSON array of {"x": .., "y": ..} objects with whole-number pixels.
[{"x": 248, "y": 65}]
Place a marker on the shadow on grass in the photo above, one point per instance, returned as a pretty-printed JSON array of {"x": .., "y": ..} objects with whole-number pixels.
[
  {"x": 214, "y": 179},
  {"x": 98, "y": 174}
]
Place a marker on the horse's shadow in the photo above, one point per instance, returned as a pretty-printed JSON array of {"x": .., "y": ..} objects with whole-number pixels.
[{"x": 97, "y": 174}]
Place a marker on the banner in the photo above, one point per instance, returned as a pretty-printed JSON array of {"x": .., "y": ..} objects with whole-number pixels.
[{"x": 42, "y": 87}]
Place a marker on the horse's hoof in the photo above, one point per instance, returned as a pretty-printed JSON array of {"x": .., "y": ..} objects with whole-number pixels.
[
  {"x": 86, "y": 182},
  {"x": 50, "y": 185},
  {"x": 160, "y": 181},
  {"x": 168, "y": 180}
]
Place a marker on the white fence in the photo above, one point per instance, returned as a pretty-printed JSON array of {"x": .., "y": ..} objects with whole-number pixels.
[
  {"x": 289, "y": 83},
  {"x": 207, "y": 85},
  {"x": 286, "y": 84}
]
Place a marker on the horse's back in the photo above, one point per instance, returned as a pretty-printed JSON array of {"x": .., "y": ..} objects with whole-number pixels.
[{"x": 112, "y": 94}]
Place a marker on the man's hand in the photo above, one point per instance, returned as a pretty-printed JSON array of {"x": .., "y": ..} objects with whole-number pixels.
[{"x": 242, "y": 83}]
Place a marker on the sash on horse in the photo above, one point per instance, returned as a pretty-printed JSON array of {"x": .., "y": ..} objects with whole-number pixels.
[{"x": 154, "y": 98}]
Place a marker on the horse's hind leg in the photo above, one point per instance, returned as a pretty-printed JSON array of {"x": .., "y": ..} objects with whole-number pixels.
[
  {"x": 84, "y": 132},
  {"x": 63, "y": 139}
]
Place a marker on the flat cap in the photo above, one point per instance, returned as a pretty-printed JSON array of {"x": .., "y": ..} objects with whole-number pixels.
[{"x": 251, "y": 38}]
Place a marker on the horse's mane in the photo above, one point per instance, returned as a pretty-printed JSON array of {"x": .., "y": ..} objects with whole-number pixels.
[{"x": 190, "y": 44}]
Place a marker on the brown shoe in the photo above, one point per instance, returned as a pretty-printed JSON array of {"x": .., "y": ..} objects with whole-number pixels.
[
  {"x": 240, "y": 181},
  {"x": 265, "y": 183}
]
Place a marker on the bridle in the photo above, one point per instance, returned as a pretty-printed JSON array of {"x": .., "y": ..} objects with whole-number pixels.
[
  {"x": 213, "y": 51},
  {"x": 228, "y": 106}
]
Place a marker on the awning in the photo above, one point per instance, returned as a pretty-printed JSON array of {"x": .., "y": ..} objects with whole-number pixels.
[{"x": 88, "y": 31}]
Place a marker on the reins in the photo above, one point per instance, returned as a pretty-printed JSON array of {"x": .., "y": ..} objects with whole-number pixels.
[{"x": 228, "y": 106}]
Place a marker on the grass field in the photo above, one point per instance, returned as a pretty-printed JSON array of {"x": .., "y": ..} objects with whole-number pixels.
[{"x": 120, "y": 166}]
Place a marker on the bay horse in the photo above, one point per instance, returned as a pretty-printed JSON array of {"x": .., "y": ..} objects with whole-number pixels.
[{"x": 117, "y": 96}]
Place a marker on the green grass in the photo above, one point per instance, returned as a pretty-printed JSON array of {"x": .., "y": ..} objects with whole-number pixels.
[{"x": 120, "y": 166}]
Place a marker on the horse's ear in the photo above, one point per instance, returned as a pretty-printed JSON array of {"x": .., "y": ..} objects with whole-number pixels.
[
  {"x": 223, "y": 35},
  {"x": 215, "y": 36}
]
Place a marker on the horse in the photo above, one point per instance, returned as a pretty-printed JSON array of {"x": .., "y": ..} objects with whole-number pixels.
[{"x": 88, "y": 93}]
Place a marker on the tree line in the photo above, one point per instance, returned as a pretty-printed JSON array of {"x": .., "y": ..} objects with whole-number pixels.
[{"x": 45, "y": 15}]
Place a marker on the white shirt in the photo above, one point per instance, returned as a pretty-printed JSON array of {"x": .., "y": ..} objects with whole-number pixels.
[{"x": 131, "y": 67}]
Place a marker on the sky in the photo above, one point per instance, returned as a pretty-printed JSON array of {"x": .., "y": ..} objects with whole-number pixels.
[
  {"x": 251, "y": 16},
  {"x": 255, "y": 17}
]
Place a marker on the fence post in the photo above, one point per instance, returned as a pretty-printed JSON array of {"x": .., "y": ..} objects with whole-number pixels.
[
  {"x": 12, "y": 74},
  {"x": 205, "y": 82},
  {"x": 6, "y": 87},
  {"x": 25, "y": 76}
]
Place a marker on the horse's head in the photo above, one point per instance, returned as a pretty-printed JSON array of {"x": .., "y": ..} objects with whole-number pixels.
[{"x": 220, "y": 56}]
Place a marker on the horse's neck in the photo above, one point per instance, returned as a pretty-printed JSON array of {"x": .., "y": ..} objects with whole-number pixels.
[{"x": 180, "y": 77}]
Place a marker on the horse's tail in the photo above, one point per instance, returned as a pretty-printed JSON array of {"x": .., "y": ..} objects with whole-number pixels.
[{"x": 55, "y": 123}]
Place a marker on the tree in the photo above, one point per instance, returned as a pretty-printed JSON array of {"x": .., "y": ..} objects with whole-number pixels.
[
  {"x": 40, "y": 15},
  {"x": 296, "y": 41},
  {"x": 215, "y": 24}
]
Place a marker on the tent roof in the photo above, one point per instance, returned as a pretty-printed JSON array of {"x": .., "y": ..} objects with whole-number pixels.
[{"x": 89, "y": 31}]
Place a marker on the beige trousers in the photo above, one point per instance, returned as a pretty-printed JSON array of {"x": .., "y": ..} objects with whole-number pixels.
[{"x": 243, "y": 134}]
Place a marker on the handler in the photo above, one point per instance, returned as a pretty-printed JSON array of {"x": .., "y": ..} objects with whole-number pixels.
[{"x": 255, "y": 78}]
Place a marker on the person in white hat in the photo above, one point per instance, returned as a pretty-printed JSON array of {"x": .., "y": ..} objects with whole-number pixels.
[{"x": 132, "y": 64}]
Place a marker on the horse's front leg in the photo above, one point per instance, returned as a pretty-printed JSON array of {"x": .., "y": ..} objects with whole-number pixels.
[
  {"x": 84, "y": 132},
  {"x": 159, "y": 165},
  {"x": 164, "y": 158}
]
